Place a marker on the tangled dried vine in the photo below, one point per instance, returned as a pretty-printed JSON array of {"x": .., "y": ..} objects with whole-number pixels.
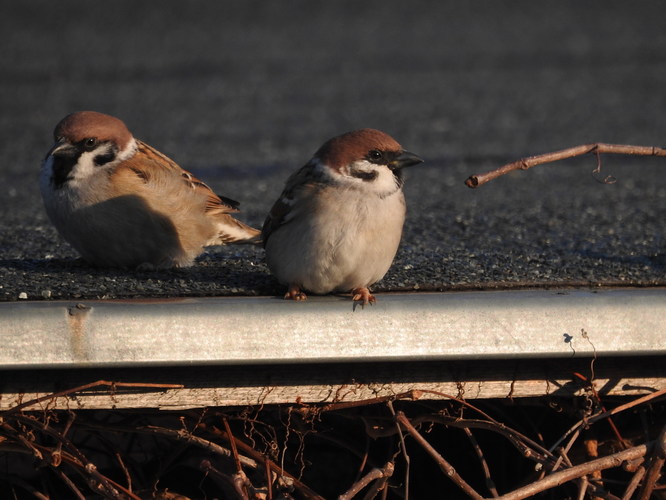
[{"x": 400, "y": 447}]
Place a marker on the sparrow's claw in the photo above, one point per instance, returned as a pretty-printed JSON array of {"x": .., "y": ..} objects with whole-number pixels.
[
  {"x": 363, "y": 295},
  {"x": 294, "y": 293}
]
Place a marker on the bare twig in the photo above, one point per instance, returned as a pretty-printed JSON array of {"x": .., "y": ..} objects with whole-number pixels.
[
  {"x": 633, "y": 484},
  {"x": 374, "y": 474},
  {"x": 126, "y": 472},
  {"x": 582, "y": 488},
  {"x": 655, "y": 467},
  {"x": 597, "y": 399},
  {"x": 343, "y": 405},
  {"x": 461, "y": 401},
  {"x": 190, "y": 438},
  {"x": 84, "y": 466},
  {"x": 89, "y": 472},
  {"x": 269, "y": 480},
  {"x": 446, "y": 467},
  {"x": 564, "y": 451},
  {"x": 490, "y": 484},
  {"x": 248, "y": 450},
  {"x": 92, "y": 385},
  {"x": 561, "y": 477},
  {"x": 70, "y": 484},
  {"x": 240, "y": 482},
  {"x": 239, "y": 477},
  {"x": 527, "y": 447},
  {"x": 232, "y": 442},
  {"x": 55, "y": 455},
  {"x": 403, "y": 447},
  {"x": 380, "y": 484},
  {"x": 215, "y": 474},
  {"x": 597, "y": 148},
  {"x": 591, "y": 447},
  {"x": 618, "y": 409}
]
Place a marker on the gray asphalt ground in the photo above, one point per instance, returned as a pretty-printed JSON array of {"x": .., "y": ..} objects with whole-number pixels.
[{"x": 243, "y": 93}]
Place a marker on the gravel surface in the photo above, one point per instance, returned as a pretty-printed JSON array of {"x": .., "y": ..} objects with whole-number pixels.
[{"x": 241, "y": 94}]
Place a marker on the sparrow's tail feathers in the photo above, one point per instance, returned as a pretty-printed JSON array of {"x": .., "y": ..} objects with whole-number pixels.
[{"x": 233, "y": 231}]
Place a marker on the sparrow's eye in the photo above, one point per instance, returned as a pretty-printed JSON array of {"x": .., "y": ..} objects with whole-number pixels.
[
  {"x": 375, "y": 155},
  {"x": 89, "y": 143}
]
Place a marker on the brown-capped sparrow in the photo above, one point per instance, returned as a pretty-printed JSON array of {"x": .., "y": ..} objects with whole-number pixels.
[
  {"x": 337, "y": 225},
  {"x": 121, "y": 203}
]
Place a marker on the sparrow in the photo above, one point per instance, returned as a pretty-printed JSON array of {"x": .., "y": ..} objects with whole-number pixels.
[
  {"x": 337, "y": 224},
  {"x": 121, "y": 203}
]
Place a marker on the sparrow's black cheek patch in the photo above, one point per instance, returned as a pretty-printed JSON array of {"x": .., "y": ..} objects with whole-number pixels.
[
  {"x": 62, "y": 167},
  {"x": 366, "y": 176},
  {"x": 104, "y": 158}
]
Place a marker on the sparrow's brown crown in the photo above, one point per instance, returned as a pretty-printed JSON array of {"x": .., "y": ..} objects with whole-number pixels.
[
  {"x": 352, "y": 146},
  {"x": 91, "y": 124}
]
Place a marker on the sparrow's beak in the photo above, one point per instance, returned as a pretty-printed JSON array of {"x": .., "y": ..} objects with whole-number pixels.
[
  {"x": 62, "y": 148},
  {"x": 405, "y": 159}
]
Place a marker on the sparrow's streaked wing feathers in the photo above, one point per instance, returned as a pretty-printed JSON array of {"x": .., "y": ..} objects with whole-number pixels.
[
  {"x": 214, "y": 203},
  {"x": 299, "y": 187}
]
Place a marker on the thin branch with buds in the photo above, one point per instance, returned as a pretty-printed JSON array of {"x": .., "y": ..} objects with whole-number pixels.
[
  {"x": 598, "y": 148},
  {"x": 563, "y": 476}
]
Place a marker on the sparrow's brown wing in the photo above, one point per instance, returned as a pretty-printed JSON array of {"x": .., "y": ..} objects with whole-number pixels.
[
  {"x": 170, "y": 189},
  {"x": 214, "y": 203},
  {"x": 290, "y": 202}
]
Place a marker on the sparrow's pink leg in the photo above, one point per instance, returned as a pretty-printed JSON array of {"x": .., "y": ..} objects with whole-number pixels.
[
  {"x": 362, "y": 294},
  {"x": 294, "y": 293}
]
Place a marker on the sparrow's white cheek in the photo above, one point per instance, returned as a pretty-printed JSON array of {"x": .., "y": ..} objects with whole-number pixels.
[
  {"x": 128, "y": 152},
  {"x": 87, "y": 168},
  {"x": 376, "y": 178},
  {"x": 84, "y": 168}
]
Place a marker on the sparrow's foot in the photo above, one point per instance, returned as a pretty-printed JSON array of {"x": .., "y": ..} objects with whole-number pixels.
[
  {"x": 362, "y": 294},
  {"x": 294, "y": 293}
]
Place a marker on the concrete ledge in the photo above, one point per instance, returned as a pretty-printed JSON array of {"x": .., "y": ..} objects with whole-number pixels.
[
  {"x": 400, "y": 327},
  {"x": 253, "y": 351}
]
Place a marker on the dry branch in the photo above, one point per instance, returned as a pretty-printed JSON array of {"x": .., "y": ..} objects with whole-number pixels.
[
  {"x": 344, "y": 405},
  {"x": 190, "y": 438},
  {"x": 380, "y": 486},
  {"x": 476, "y": 180},
  {"x": 656, "y": 466},
  {"x": 490, "y": 484},
  {"x": 305, "y": 490},
  {"x": 527, "y": 447},
  {"x": 446, "y": 467},
  {"x": 605, "y": 414},
  {"x": 73, "y": 457},
  {"x": 563, "y": 476},
  {"x": 374, "y": 474},
  {"x": 633, "y": 484},
  {"x": 92, "y": 385},
  {"x": 403, "y": 448}
]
